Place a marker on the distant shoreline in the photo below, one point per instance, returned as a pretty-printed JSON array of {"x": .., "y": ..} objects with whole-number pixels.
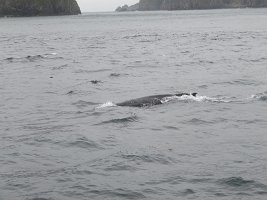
[{"x": 155, "y": 5}]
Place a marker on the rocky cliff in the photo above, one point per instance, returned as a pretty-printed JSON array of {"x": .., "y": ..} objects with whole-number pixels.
[
  {"x": 198, "y": 4},
  {"x": 124, "y": 8},
  {"x": 38, "y": 7}
]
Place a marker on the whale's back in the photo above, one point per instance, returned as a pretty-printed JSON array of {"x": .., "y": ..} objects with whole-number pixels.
[{"x": 144, "y": 101}]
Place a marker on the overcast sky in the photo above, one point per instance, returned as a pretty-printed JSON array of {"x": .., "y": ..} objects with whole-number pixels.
[{"x": 102, "y": 5}]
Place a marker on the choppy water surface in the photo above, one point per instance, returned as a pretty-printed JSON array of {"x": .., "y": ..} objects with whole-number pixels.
[{"x": 62, "y": 137}]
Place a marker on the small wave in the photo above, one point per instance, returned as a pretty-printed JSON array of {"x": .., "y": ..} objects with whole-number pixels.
[
  {"x": 254, "y": 60},
  {"x": 146, "y": 41},
  {"x": 70, "y": 92},
  {"x": 239, "y": 182},
  {"x": 261, "y": 192},
  {"x": 96, "y": 82},
  {"x": 188, "y": 192},
  {"x": 120, "y": 120},
  {"x": 81, "y": 103},
  {"x": 173, "y": 180},
  {"x": 121, "y": 166},
  {"x": 83, "y": 71},
  {"x": 10, "y": 59},
  {"x": 95, "y": 47},
  {"x": 84, "y": 143},
  {"x": 30, "y": 58},
  {"x": 245, "y": 82},
  {"x": 154, "y": 158},
  {"x": 140, "y": 35},
  {"x": 254, "y": 121},
  {"x": 115, "y": 75},
  {"x": 35, "y": 57},
  {"x": 119, "y": 194},
  {"x": 260, "y": 96},
  {"x": 60, "y": 67},
  {"x": 171, "y": 127},
  {"x": 197, "y": 121},
  {"x": 236, "y": 182}
]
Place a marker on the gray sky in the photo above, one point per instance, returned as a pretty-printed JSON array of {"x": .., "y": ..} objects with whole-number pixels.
[{"x": 102, "y": 5}]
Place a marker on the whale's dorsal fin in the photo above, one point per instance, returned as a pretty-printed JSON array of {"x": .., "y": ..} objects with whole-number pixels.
[{"x": 194, "y": 94}]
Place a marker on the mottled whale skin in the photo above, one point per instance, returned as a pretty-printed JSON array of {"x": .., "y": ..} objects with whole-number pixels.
[{"x": 151, "y": 100}]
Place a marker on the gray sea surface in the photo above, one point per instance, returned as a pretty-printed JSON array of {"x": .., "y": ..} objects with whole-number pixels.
[{"x": 62, "y": 137}]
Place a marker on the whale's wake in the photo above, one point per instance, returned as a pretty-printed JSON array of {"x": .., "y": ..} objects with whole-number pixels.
[
  {"x": 198, "y": 98},
  {"x": 221, "y": 99}
]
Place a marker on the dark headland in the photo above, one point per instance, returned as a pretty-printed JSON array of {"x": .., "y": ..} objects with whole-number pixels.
[
  {"x": 146, "y": 5},
  {"x": 38, "y": 7}
]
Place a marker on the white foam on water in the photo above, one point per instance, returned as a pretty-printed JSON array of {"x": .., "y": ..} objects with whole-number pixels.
[
  {"x": 254, "y": 96},
  {"x": 260, "y": 97},
  {"x": 167, "y": 99},
  {"x": 210, "y": 99},
  {"x": 105, "y": 105},
  {"x": 50, "y": 54},
  {"x": 197, "y": 99}
]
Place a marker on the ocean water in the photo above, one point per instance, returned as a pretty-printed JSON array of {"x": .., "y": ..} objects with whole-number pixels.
[{"x": 62, "y": 137}]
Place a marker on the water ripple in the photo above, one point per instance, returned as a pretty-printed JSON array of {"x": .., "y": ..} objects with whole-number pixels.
[
  {"x": 174, "y": 180},
  {"x": 197, "y": 121},
  {"x": 33, "y": 58},
  {"x": 152, "y": 158},
  {"x": 119, "y": 193},
  {"x": 239, "y": 182},
  {"x": 121, "y": 166},
  {"x": 187, "y": 192},
  {"x": 82, "y": 104},
  {"x": 40, "y": 199},
  {"x": 124, "y": 120},
  {"x": 84, "y": 143}
]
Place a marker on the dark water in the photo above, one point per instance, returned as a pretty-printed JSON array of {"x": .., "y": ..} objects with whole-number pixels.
[{"x": 62, "y": 138}]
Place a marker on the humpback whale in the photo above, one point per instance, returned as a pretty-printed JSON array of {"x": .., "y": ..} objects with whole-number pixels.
[{"x": 151, "y": 100}]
